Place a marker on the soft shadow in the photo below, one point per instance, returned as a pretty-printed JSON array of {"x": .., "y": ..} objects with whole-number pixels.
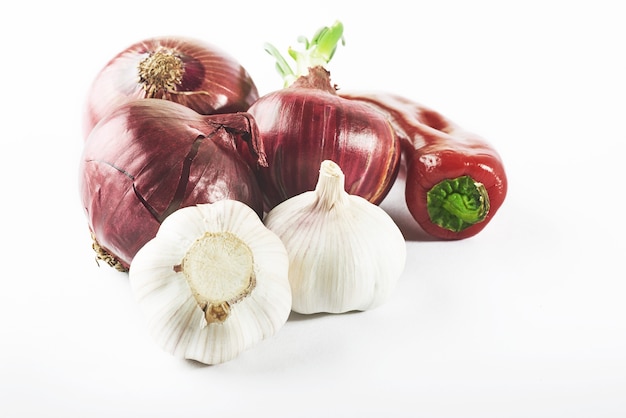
[
  {"x": 409, "y": 227},
  {"x": 395, "y": 206},
  {"x": 196, "y": 365},
  {"x": 297, "y": 317}
]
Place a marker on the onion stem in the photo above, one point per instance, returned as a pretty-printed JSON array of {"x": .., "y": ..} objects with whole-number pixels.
[
  {"x": 161, "y": 72},
  {"x": 317, "y": 52}
]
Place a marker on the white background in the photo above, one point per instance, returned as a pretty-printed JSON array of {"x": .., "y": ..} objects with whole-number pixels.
[{"x": 526, "y": 319}]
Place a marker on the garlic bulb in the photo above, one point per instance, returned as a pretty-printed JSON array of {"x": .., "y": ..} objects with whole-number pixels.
[
  {"x": 345, "y": 253},
  {"x": 213, "y": 282}
]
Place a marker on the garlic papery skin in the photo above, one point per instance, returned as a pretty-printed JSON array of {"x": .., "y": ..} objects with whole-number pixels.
[
  {"x": 345, "y": 253},
  {"x": 212, "y": 282}
]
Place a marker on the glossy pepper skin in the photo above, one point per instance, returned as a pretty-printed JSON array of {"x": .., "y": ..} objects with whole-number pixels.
[{"x": 455, "y": 181}]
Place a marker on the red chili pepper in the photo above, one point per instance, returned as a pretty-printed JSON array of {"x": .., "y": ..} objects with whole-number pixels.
[{"x": 455, "y": 180}]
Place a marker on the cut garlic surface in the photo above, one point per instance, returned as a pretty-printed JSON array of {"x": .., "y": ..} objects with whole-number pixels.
[
  {"x": 213, "y": 282},
  {"x": 345, "y": 253}
]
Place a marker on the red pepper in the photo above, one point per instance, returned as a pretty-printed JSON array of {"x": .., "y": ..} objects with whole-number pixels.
[{"x": 455, "y": 180}]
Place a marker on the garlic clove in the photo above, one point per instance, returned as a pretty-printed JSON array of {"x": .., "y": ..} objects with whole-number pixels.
[
  {"x": 345, "y": 253},
  {"x": 213, "y": 282}
]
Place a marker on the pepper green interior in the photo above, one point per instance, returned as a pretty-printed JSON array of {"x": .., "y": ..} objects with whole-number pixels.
[{"x": 456, "y": 204}]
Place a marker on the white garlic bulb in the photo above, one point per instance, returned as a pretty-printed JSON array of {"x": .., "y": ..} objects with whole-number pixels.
[
  {"x": 213, "y": 282},
  {"x": 345, "y": 253}
]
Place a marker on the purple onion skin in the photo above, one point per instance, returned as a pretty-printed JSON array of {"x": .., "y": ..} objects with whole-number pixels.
[
  {"x": 212, "y": 81},
  {"x": 306, "y": 123},
  {"x": 150, "y": 157}
]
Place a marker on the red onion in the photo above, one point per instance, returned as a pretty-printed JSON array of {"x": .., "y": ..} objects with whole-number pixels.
[
  {"x": 307, "y": 122},
  {"x": 150, "y": 157},
  {"x": 183, "y": 70}
]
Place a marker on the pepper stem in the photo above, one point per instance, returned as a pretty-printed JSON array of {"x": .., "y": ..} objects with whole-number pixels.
[
  {"x": 456, "y": 204},
  {"x": 317, "y": 52}
]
